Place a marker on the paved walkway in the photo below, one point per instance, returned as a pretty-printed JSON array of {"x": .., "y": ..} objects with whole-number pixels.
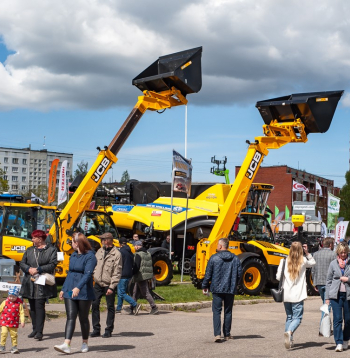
[{"x": 257, "y": 330}]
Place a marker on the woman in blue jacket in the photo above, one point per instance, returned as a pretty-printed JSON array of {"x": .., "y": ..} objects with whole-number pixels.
[{"x": 78, "y": 292}]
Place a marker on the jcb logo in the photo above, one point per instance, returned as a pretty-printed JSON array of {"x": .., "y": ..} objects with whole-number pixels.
[
  {"x": 18, "y": 248},
  {"x": 100, "y": 169},
  {"x": 253, "y": 165}
]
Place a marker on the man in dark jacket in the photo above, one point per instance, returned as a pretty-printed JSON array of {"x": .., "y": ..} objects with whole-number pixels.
[
  {"x": 127, "y": 272},
  {"x": 38, "y": 259},
  {"x": 223, "y": 273},
  {"x": 143, "y": 271}
]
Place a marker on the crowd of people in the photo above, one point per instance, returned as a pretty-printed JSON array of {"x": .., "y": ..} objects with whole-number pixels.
[
  {"x": 331, "y": 277},
  {"x": 108, "y": 272},
  {"x": 91, "y": 276}
]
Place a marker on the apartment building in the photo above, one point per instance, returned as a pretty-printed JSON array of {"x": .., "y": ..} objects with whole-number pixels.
[{"x": 26, "y": 169}]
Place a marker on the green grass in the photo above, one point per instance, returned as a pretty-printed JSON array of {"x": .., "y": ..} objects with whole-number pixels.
[{"x": 176, "y": 293}]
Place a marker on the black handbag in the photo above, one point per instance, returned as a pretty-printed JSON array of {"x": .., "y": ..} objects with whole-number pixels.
[{"x": 277, "y": 294}]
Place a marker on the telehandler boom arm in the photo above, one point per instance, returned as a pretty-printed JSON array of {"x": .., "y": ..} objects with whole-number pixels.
[
  {"x": 165, "y": 84},
  {"x": 288, "y": 120}
]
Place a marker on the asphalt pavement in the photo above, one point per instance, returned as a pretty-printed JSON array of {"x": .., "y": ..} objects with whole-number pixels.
[{"x": 257, "y": 330}]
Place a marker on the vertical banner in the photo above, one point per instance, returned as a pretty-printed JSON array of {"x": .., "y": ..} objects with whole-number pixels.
[
  {"x": 340, "y": 231},
  {"x": 182, "y": 169},
  {"x": 62, "y": 186},
  {"x": 52, "y": 181},
  {"x": 333, "y": 211}
]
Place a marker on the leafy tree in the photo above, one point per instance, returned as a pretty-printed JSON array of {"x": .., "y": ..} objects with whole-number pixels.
[
  {"x": 125, "y": 177},
  {"x": 4, "y": 186},
  {"x": 82, "y": 169},
  {"x": 345, "y": 200}
]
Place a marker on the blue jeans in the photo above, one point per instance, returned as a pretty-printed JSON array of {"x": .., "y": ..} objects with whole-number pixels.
[
  {"x": 122, "y": 295},
  {"x": 341, "y": 309},
  {"x": 294, "y": 311},
  {"x": 218, "y": 299}
]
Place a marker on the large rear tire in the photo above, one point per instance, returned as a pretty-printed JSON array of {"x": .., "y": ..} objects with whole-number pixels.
[
  {"x": 197, "y": 283},
  {"x": 187, "y": 266},
  {"x": 254, "y": 277},
  {"x": 162, "y": 268}
]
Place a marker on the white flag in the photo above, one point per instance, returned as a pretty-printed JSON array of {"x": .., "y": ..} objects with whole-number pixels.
[
  {"x": 62, "y": 186},
  {"x": 318, "y": 187},
  {"x": 340, "y": 231},
  {"x": 300, "y": 187},
  {"x": 33, "y": 196}
]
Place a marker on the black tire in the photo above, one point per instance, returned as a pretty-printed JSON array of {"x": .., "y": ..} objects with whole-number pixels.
[
  {"x": 254, "y": 277},
  {"x": 311, "y": 291},
  {"x": 197, "y": 283},
  {"x": 187, "y": 266},
  {"x": 162, "y": 268}
]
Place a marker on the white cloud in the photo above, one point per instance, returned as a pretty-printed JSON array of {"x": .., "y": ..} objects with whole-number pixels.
[{"x": 84, "y": 54}]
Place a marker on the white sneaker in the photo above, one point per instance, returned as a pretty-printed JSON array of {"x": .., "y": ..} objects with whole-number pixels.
[
  {"x": 339, "y": 348},
  {"x": 63, "y": 348},
  {"x": 345, "y": 345},
  {"x": 84, "y": 348},
  {"x": 287, "y": 340}
]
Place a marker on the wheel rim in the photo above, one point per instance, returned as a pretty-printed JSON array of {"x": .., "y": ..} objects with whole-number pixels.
[
  {"x": 161, "y": 270},
  {"x": 252, "y": 278}
]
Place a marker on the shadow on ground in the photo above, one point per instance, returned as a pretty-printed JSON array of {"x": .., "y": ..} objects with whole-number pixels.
[
  {"x": 107, "y": 348},
  {"x": 309, "y": 345},
  {"x": 135, "y": 334}
]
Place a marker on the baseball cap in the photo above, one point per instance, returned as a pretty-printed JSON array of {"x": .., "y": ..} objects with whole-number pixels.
[
  {"x": 106, "y": 235},
  {"x": 123, "y": 240},
  {"x": 138, "y": 243}
]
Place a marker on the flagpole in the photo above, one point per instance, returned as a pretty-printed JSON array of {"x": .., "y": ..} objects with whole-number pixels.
[
  {"x": 171, "y": 214},
  {"x": 184, "y": 245}
]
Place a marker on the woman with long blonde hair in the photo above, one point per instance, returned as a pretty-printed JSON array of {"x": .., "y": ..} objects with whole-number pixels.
[{"x": 294, "y": 286}]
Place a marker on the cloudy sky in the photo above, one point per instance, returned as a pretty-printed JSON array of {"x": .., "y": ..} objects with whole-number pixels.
[{"x": 66, "y": 69}]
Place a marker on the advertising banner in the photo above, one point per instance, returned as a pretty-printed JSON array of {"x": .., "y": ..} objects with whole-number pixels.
[
  {"x": 333, "y": 211},
  {"x": 182, "y": 169},
  {"x": 340, "y": 231},
  {"x": 52, "y": 181},
  {"x": 62, "y": 186}
]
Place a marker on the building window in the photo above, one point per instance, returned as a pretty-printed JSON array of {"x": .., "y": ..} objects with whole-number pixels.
[
  {"x": 34, "y": 186},
  {"x": 39, "y": 182},
  {"x": 68, "y": 165},
  {"x": 6, "y": 169},
  {"x": 34, "y": 178},
  {"x": 14, "y": 169},
  {"x": 14, "y": 178},
  {"x": 24, "y": 161},
  {"x": 24, "y": 170},
  {"x": 14, "y": 187},
  {"x": 14, "y": 160},
  {"x": 35, "y": 160},
  {"x": 6, "y": 159},
  {"x": 57, "y": 181},
  {"x": 24, "y": 187},
  {"x": 5, "y": 177},
  {"x": 24, "y": 178}
]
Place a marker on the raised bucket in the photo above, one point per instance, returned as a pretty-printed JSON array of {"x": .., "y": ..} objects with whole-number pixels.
[
  {"x": 315, "y": 109},
  {"x": 181, "y": 70}
]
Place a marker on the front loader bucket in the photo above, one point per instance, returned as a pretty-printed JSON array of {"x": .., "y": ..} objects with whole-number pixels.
[
  {"x": 315, "y": 109},
  {"x": 181, "y": 70}
]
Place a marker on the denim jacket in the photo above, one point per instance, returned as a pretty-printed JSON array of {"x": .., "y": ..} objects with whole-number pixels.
[{"x": 81, "y": 268}]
